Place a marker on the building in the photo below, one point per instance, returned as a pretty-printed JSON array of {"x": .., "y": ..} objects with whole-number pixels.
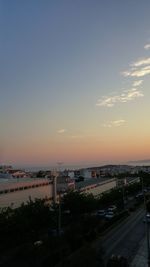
[
  {"x": 97, "y": 186},
  {"x": 65, "y": 183},
  {"x": 5, "y": 168},
  {"x": 14, "y": 192},
  {"x": 18, "y": 173},
  {"x": 127, "y": 181}
]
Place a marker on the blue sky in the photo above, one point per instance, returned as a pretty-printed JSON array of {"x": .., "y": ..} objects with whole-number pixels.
[{"x": 60, "y": 59}]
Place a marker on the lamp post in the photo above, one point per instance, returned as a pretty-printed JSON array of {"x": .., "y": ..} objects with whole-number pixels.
[
  {"x": 57, "y": 201},
  {"x": 123, "y": 197},
  {"x": 55, "y": 188},
  {"x": 59, "y": 215}
]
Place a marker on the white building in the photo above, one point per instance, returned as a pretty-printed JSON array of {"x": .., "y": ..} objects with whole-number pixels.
[
  {"x": 14, "y": 192},
  {"x": 98, "y": 186}
]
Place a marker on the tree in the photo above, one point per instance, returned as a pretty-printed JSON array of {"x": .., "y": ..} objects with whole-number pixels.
[{"x": 79, "y": 203}]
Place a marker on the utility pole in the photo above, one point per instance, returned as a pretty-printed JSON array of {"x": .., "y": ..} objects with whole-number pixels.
[
  {"x": 57, "y": 201},
  {"x": 59, "y": 166},
  {"x": 121, "y": 190},
  {"x": 59, "y": 215},
  {"x": 55, "y": 175}
]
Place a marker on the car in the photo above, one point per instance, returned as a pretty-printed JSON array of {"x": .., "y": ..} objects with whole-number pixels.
[
  {"x": 55, "y": 232},
  {"x": 112, "y": 208},
  {"x": 52, "y": 232},
  {"x": 110, "y": 215},
  {"x": 145, "y": 190},
  {"x": 38, "y": 243},
  {"x": 66, "y": 212},
  {"x": 147, "y": 218},
  {"x": 101, "y": 213},
  {"x": 139, "y": 196}
]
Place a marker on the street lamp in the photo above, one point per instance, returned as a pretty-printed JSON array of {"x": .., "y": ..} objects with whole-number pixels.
[
  {"x": 123, "y": 196},
  {"x": 57, "y": 201}
]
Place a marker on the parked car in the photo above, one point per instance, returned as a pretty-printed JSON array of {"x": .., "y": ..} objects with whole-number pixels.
[
  {"x": 139, "y": 196},
  {"x": 101, "y": 213},
  {"x": 112, "y": 208},
  {"x": 110, "y": 215},
  {"x": 55, "y": 232},
  {"x": 66, "y": 212},
  {"x": 147, "y": 218},
  {"x": 38, "y": 243}
]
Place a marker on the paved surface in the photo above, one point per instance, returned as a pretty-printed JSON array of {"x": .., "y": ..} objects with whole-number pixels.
[
  {"x": 125, "y": 238},
  {"x": 140, "y": 260}
]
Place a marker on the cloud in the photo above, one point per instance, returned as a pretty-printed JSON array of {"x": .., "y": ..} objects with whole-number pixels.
[
  {"x": 141, "y": 62},
  {"x": 61, "y": 131},
  {"x": 137, "y": 83},
  {"x": 137, "y": 72},
  {"x": 127, "y": 95},
  {"x": 116, "y": 123},
  {"x": 126, "y": 73},
  {"x": 107, "y": 125},
  {"x": 76, "y": 136},
  {"x": 147, "y": 47},
  {"x": 139, "y": 68}
]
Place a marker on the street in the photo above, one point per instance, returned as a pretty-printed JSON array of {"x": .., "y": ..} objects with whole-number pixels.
[{"x": 124, "y": 238}]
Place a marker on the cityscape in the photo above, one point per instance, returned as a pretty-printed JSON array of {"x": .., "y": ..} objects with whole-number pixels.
[
  {"x": 108, "y": 200},
  {"x": 74, "y": 138}
]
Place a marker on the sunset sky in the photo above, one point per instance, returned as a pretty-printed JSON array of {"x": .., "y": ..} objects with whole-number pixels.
[{"x": 74, "y": 82}]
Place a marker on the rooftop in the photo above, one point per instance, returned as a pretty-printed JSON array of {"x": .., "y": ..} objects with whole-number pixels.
[
  {"x": 6, "y": 184},
  {"x": 93, "y": 181}
]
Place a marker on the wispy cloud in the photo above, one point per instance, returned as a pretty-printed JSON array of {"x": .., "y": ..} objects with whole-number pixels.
[
  {"x": 147, "y": 47},
  {"x": 61, "y": 131},
  {"x": 141, "y": 62},
  {"x": 137, "y": 83},
  {"x": 116, "y": 123},
  {"x": 76, "y": 136},
  {"x": 139, "y": 68},
  {"x": 127, "y": 95},
  {"x": 137, "y": 72}
]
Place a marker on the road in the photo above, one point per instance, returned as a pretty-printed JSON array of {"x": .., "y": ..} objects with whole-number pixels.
[{"x": 124, "y": 239}]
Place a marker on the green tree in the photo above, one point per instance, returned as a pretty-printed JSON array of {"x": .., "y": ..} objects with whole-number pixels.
[{"x": 79, "y": 203}]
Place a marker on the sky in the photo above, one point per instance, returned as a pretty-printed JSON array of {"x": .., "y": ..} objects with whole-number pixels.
[{"x": 74, "y": 82}]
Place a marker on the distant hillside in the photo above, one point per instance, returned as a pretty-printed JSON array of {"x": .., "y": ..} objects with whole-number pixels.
[{"x": 143, "y": 161}]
